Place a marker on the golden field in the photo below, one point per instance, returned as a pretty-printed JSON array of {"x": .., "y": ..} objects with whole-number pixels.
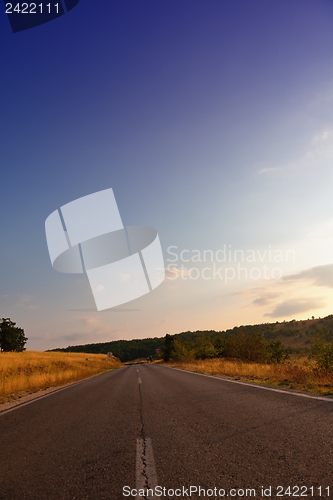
[
  {"x": 26, "y": 372},
  {"x": 297, "y": 374}
]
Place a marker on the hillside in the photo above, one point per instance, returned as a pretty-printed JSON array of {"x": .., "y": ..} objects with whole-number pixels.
[{"x": 295, "y": 335}]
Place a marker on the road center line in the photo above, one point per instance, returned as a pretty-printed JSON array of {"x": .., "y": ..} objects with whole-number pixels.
[
  {"x": 140, "y": 478},
  {"x": 150, "y": 464},
  {"x": 139, "y": 380},
  {"x": 145, "y": 474}
]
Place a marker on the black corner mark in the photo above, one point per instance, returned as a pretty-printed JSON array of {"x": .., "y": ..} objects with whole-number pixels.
[{"x": 26, "y": 15}]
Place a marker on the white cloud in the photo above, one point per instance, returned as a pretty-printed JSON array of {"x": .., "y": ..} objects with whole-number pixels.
[
  {"x": 318, "y": 275},
  {"x": 303, "y": 292},
  {"x": 268, "y": 170},
  {"x": 295, "y": 306},
  {"x": 319, "y": 152},
  {"x": 92, "y": 320}
]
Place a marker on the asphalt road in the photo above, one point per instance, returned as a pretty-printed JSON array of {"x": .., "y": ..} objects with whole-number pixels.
[{"x": 147, "y": 425}]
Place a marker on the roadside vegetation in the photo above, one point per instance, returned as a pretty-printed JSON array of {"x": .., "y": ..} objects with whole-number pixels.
[
  {"x": 22, "y": 373},
  {"x": 252, "y": 358},
  {"x": 250, "y": 347},
  {"x": 297, "y": 374}
]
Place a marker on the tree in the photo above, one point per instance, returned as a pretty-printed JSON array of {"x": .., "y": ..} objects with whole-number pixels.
[
  {"x": 175, "y": 350},
  {"x": 204, "y": 348},
  {"x": 12, "y": 338},
  {"x": 277, "y": 352},
  {"x": 322, "y": 353},
  {"x": 180, "y": 352},
  {"x": 168, "y": 346}
]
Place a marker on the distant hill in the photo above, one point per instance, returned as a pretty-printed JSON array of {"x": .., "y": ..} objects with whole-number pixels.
[
  {"x": 125, "y": 350},
  {"x": 296, "y": 335}
]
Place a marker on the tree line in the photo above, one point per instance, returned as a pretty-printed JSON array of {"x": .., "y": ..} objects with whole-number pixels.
[
  {"x": 125, "y": 350},
  {"x": 250, "y": 347},
  {"x": 258, "y": 343}
]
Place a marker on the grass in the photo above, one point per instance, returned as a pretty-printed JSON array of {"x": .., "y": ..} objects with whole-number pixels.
[
  {"x": 296, "y": 374},
  {"x": 22, "y": 373}
]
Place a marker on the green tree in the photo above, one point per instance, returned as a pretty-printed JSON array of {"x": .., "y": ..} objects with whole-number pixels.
[
  {"x": 277, "y": 352},
  {"x": 322, "y": 353},
  {"x": 175, "y": 350},
  {"x": 12, "y": 338},
  {"x": 204, "y": 348},
  {"x": 168, "y": 345},
  {"x": 180, "y": 352}
]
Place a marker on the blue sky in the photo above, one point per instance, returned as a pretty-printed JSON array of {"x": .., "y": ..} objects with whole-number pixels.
[{"x": 213, "y": 123}]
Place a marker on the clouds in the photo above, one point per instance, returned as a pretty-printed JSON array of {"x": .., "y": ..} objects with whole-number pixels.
[
  {"x": 92, "y": 321},
  {"x": 318, "y": 152},
  {"x": 318, "y": 275},
  {"x": 75, "y": 337},
  {"x": 311, "y": 130},
  {"x": 302, "y": 292},
  {"x": 79, "y": 337},
  {"x": 268, "y": 170},
  {"x": 265, "y": 301},
  {"x": 295, "y": 306}
]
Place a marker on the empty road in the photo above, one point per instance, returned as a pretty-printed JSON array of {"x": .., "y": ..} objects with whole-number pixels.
[{"x": 151, "y": 426}]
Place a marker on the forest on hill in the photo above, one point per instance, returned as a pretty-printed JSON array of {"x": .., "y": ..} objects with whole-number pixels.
[{"x": 291, "y": 336}]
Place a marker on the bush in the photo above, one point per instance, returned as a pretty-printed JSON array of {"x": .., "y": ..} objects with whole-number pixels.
[
  {"x": 277, "y": 352},
  {"x": 322, "y": 353}
]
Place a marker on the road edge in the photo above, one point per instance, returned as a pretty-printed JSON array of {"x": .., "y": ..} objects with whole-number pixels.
[
  {"x": 328, "y": 399},
  {"x": 43, "y": 393}
]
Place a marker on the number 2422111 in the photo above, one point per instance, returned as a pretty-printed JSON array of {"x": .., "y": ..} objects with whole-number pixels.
[{"x": 31, "y": 8}]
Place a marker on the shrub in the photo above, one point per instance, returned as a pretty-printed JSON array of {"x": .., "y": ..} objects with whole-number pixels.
[{"x": 322, "y": 353}]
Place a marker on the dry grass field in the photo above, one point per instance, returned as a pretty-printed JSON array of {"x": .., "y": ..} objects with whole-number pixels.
[
  {"x": 297, "y": 374},
  {"x": 26, "y": 372}
]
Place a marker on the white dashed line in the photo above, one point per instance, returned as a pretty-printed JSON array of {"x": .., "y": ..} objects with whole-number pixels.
[
  {"x": 150, "y": 465},
  {"x": 140, "y": 478},
  {"x": 145, "y": 474}
]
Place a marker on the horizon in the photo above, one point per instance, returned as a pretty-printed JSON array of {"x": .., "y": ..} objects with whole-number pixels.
[{"x": 195, "y": 331}]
